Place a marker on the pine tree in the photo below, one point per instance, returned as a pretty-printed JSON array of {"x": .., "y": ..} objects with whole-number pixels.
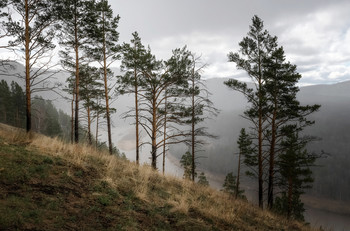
[
  {"x": 91, "y": 91},
  {"x": 185, "y": 162},
  {"x": 230, "y": 186},
  {"x": 201, "y": 108},
  {"x": 78, "y": 18},
  {"x": 295, "y": 174},
  {"x": 69, "y": 88},
  {"x": 273, "y": 101},
  {"x": 254, "y": 48},
  {"x": 105, "y": 51},
  {"x": 167, "y": 84},
  {"x": 245, "y": 150},
  {"x": 202, "y": 179},
  {"x": 134, "y": 60},
  {"x": 282, "y": 107},
  {"x": 36, "y": 36},
  {"x": 163, "y": 81}
]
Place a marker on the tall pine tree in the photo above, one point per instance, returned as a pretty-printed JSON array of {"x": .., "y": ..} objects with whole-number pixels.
[
  {"x": 282, "y": 108},
  {"x": 35, "y": 32},
  {"x": 105, "y": 51},
  {"x": 295, "y": 175},
  {"x": 78, "y": 18},
  {"x": 253, "y": 49},
  {"x": 135, "y": 60},
  {"x": 200, "y": 108}
]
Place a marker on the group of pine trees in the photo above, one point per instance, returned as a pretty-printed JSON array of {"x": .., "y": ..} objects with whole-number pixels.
[
  {"x": 86, "y": 33},
  {"x": 274, "y": 151},
  {"x": 169, "y": 100},
  {"x": 170, "y": 96}
]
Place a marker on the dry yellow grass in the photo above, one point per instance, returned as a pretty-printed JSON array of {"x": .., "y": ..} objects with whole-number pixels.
[{"x": 151, "y": 187}]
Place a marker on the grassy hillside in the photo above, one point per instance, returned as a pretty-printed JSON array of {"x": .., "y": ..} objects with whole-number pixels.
[{"x": 49, "y": 185}]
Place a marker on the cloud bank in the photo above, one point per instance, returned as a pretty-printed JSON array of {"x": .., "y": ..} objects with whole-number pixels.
[{"x": 315, "y": 34}]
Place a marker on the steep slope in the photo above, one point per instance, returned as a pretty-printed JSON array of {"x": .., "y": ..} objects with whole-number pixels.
[{"x": 48, "y": 185}]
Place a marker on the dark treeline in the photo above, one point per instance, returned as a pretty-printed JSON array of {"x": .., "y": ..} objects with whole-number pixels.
[
  {"x": 12, "y": 104},
  {"x": 46, "y": 118}
]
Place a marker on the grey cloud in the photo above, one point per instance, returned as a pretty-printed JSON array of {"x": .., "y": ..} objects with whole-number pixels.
[{"x": 214, "y": 28}]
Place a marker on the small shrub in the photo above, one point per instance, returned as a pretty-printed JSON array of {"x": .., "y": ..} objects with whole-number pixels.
[
  {"x": 78, "y": 173},
  {"x": 47, "y": 160},
  {"x": 104, "y": 200}
]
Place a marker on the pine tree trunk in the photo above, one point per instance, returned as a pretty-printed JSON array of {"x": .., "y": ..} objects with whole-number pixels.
[
  {"x": 192, "y": 131},
  {"x": 110, "y": 145},
  {"x": 260, "y": 130},
  {"x": 154, "y": 133},
  {"x": 27, "y": 57},
  {"x": 260, "y": 162},
  {"x": 238, "y": 174},
  {"x": 76, "y": 125},
  {"x": 272, "y": 159},
  {"x": 72, "y": 121},
  {"x": 17, "y": 118},
  {"x": 290, "y": 197},
  {"x": 164, "y": 135},
  {"x": 89, "y": 126},
  {"x": 97, "y": 120},
  {"x": 137, "y": 119}
]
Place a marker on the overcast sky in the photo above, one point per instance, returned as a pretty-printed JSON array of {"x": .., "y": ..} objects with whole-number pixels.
[{"x": 314, "y": 33}]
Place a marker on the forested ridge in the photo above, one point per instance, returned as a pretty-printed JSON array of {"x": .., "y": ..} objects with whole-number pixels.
[{"x": 46, "y": 118}]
